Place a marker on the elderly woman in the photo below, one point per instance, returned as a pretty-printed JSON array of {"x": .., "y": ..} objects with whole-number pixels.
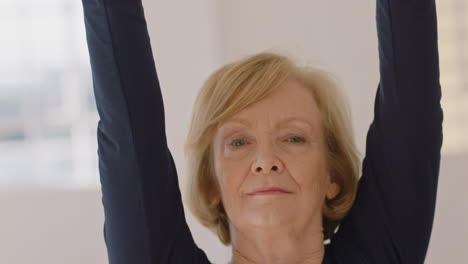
[{"x": 272, "y": 162}]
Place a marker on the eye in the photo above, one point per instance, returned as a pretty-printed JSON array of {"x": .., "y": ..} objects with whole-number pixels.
[
  {"x": 237, "y": 143},
  {"x": 296, "y": 139}
]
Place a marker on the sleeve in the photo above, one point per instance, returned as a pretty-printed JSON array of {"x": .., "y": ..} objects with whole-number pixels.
[
  {"x": 392, "y": 218},
  {"x": 144, "y": 216}
]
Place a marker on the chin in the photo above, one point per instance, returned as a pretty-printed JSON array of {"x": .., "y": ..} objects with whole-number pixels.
[{"x": 268, "y": 219}]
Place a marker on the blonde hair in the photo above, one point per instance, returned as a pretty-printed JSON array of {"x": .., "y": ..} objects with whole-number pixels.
[{"x": 239, "y": 84}]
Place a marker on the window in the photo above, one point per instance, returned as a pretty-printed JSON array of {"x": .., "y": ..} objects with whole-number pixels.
[
  {"x": 453, "y": 54},
  {"x": 47, "y": 110}
]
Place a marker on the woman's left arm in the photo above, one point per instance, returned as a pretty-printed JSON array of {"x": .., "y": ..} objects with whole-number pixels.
[
  {"x": 408, "y": 123},
  {"x": 391, "y": 220}
]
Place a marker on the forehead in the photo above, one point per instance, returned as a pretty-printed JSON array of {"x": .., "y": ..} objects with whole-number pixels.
[
  {"x": 297, "y": 120},
  {"x": 289, "y": 103}
]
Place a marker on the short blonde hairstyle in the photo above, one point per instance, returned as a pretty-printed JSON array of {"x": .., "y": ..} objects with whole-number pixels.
[{"x": 240, "y": 84}]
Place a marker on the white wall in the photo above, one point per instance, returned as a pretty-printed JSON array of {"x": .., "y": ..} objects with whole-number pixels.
[
  {"x": 51, "y": 227},
  {"x": 190, "y": 40}
]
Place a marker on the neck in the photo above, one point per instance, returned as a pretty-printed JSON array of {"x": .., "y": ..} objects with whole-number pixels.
[{"x": 278, "y": 246}]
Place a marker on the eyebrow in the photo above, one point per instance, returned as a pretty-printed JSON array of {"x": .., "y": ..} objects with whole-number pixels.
[{"x": 283, "y": 121}]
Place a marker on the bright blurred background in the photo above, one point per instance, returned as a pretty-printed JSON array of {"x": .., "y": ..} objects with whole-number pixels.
[
  {"x": 47, "y": 109},
  {"x": 50, "y": 203}
]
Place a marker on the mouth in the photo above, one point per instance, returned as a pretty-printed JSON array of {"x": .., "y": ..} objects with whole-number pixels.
[{"x": 268, "y": 191}]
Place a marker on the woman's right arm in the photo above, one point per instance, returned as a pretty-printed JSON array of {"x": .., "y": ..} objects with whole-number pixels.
[{"x": 144, "y": 216}]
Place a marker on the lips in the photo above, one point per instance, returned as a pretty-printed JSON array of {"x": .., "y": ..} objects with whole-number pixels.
[{"x": 268, "y": 190}]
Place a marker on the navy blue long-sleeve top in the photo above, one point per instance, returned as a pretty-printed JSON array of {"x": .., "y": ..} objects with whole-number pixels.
[{"x": 391, "y": 219}]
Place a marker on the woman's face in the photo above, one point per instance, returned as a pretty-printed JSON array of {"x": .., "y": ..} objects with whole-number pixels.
[{"x": 277, "y": 141}]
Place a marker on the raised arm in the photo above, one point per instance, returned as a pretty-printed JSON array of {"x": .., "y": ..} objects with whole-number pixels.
[
  {"x": 392, "y": 218},
  {"x": 144, "y": 217}
]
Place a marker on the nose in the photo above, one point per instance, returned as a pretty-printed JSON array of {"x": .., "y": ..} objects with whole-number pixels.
[
  {"x": 266, "y": 163},
  {"x": 266, "y": 169}
]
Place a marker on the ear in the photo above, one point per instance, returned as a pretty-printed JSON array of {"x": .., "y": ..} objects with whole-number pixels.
[
  {"x": 215, "y": 201},
  {"x": 332, "y": 189}
]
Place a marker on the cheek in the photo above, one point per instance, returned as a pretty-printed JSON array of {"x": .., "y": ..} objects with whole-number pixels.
[
  {"x": 230, "y": 175},
  {"x": 309, "y": 173},
  {"x": 230, "y": 179},
  {"x": 230, "y": 171}
]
